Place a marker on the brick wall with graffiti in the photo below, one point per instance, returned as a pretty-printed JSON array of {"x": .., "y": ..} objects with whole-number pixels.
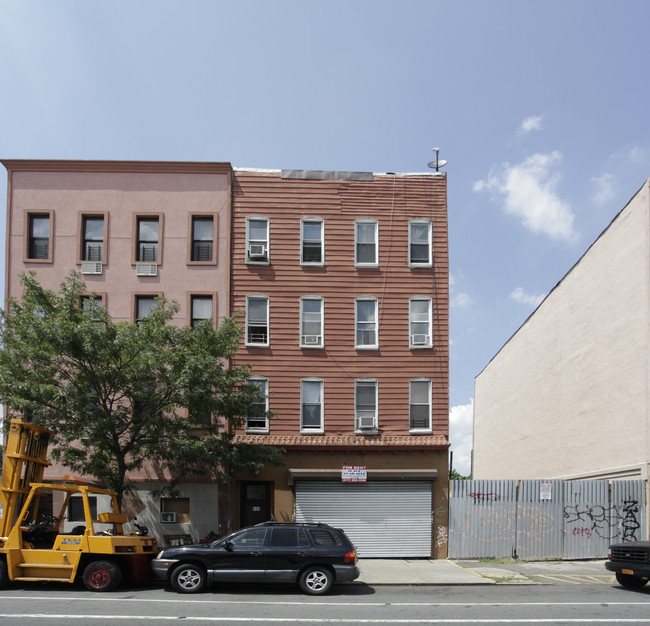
[{"x": 544, "y": 519}]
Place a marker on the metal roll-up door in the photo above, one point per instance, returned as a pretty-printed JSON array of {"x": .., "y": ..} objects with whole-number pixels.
[{"x": 382, "y": 518}]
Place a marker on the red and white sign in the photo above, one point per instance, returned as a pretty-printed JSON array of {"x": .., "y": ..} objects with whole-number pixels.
[{"x": 354, "y": 474}]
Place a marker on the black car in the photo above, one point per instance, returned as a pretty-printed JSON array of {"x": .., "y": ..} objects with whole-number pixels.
[
  {"x": 312, "y": 555},
  {"x": 631, "y": 562}
]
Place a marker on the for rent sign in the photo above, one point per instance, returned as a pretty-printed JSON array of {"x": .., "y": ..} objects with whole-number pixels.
[{"x": 354, "y": 474}]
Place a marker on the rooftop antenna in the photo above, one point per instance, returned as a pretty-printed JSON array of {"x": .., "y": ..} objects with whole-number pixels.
[{"x": 438, "y": 163}]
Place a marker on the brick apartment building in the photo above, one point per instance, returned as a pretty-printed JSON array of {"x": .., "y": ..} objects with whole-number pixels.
[{"x": 342, "y": 282}]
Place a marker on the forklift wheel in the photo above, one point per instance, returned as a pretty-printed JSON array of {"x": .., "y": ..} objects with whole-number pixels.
[{"x": 102, "y": 576}]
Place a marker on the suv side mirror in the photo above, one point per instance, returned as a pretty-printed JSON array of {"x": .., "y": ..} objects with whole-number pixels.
[{"x": 229, "y": 546}]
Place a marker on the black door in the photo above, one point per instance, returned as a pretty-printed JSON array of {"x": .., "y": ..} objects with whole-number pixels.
[{"x": 255, "y": 503}]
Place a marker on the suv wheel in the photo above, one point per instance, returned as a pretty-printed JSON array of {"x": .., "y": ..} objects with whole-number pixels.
[
  {"x": 189, "y": 578},
  {"x": 631, "y": 582},
  {"x": 316, "y": 580}
]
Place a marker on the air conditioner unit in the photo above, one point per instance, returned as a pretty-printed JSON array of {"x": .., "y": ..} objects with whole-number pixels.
[
  {"x": 366, "y": 423},
  {"x": 146, "y": 269},
  {"x": 257, "y": 251},
  {"x": 167, "y": 518},
  {"x": 419, "y": 340},
  {"x": 90, "y": 267},
  {"x": 311, "y": 340}
]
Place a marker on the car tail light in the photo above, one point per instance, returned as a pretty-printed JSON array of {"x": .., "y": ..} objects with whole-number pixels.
[{"x": 350, "y": 557}]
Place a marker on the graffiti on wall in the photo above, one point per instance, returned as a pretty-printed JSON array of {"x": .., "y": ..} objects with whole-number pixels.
[
  {"x": 527, "y": 524},
  {"x": 584, "y": 520}
]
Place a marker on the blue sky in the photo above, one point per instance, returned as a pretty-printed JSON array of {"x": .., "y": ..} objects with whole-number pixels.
[{"x": 540, "y": 109}]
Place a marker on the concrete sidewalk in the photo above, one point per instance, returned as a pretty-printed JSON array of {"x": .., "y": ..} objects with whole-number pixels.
[{"x": 473, "y": 572}]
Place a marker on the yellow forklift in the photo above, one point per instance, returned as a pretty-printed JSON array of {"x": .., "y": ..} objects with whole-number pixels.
[{"x": 33, "y": 546}]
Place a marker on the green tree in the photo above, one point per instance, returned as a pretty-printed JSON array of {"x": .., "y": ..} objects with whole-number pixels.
[{"x": 117, "y": 394}]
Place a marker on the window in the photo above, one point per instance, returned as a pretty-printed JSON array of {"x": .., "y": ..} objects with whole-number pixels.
[
  {"x": 365, "y": 243},
  {"x": 147, "y": 244},
  {"x": 38, "y": 246},
  {"x": 175, "y": 510},
  {"x": 366, "y": 323},
  {"x": 257, "y": 240},
  {"x": 200, "y": 309},
  {"x": 312, "y": 247},
  {"x": 143, "y": 305},
  {"x": 288, "y": 538},
  {"x": 257, "y": 420},
  {"x": 420, "y": 323},
  {"x": 420, "y": 244},
  {"x": 311, "y": 405},
  {"x": 365, "y": 405},
  {"x": 250, "y": 538},
  {"x": 76, "y": 508},
  {"x": 311, "y": 322},
  {"x": 324, "y": 537},
  {"x": 202, "y": 245},
  {"x": 93, "y": 238},
  {"x": 420, "y": 405},
  {"x": 91, "y": 303},
  {"x": 257, "y": 321}
]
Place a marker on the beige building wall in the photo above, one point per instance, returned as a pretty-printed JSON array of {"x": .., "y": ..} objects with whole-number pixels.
[{"x": 567, "y": 396}]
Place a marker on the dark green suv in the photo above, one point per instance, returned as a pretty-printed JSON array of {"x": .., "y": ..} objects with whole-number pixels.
[{"x": 314, "y": 556}]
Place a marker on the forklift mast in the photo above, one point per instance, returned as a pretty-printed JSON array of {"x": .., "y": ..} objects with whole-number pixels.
[{"x": 24, "y": 463}]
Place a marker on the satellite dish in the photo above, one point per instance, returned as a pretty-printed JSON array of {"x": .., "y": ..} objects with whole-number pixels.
[{"x": 438, "y": 163}]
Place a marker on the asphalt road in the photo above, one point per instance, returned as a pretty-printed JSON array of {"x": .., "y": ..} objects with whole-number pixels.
[{"x": 597, "y": 603}]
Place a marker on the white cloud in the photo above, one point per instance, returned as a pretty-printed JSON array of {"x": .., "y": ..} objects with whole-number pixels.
[
  {"x": 519, "y": 295},
  {"x": 529, "y": 192},
  {"x": 461, "y": 301},
  {"x": 605, "y": 188},
  {"x": 461, "y": 425},
  {"x": 534, "y": 122}
]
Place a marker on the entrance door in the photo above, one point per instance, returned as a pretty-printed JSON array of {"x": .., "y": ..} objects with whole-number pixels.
[{"x": 255, "y": 503}]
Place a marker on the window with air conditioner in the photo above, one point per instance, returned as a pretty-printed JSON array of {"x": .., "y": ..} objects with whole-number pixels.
[
  {"x": 312, "y": 242},
  {"x": 420, "y": 322},
  {"x": 365, "y": 405},
  {"x": 257, "y": 321},
  {"x": 311, "y": 322},
  {"x": 257, "y": 420},
  {"x": 148, "y": 232},
  {"x": 257, "y": 240},
  {"x": 93, "y": 239},
  {"x": 175, "y": 510}
]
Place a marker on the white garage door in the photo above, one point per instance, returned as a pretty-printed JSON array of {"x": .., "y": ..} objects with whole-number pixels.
[{"x": 382, "y": 518}]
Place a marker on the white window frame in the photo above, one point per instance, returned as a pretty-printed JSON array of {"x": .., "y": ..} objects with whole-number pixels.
[
  {"x": 264, "y": 383},
  {"x": 366, "y": 222},
  {"x": 310, "y": 430},
  {"x": 306, "y": 339},
  {"x": 420, "y": 429},
  {"x": 415, "y": 339},
  {"x": 429, "y": 261},
  {"x": 312, "y": 220},
  {"x": 358, "y": 322},
  {"x": 257, "y": 344},
  {"x": 256, "y": 241},
  {"x": 360, "y": 426}
]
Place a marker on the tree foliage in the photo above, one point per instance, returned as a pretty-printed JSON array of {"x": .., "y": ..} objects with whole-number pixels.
[{"x": 117, "y": 394}]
